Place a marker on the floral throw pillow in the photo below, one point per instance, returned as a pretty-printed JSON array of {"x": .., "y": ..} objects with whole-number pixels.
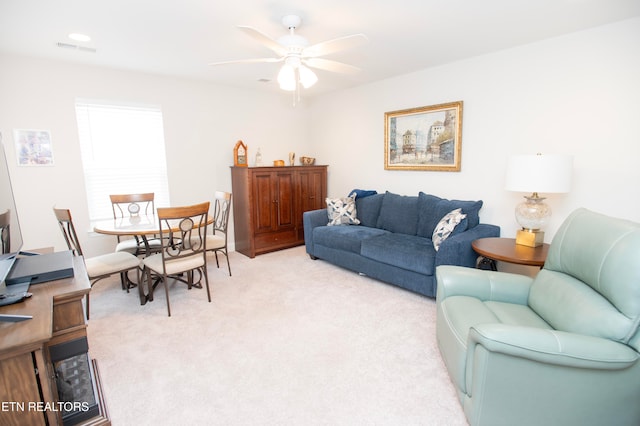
[
  {"x": 342, "y": 211},
  {"x": 445, "y": 227}
]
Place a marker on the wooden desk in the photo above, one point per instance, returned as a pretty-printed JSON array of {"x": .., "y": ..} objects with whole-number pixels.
[
  {"x": 506, "y": 250},
  {"x": 58, "y": 317}
]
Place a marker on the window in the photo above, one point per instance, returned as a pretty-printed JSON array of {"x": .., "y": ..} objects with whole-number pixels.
[{"x": 123, "y": 152}]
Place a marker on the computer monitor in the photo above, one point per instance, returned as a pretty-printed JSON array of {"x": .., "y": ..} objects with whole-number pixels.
[{"x": 7, "y": 203}]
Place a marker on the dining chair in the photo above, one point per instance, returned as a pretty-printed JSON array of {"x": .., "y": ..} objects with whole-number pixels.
[
  {"x": 102, "y": 266},
  {"x": 183, "y": 233},
  {"x": 132, "y": 205},
  {"x": 5, "y": 234},
  {"x": 217, "y": 241}
]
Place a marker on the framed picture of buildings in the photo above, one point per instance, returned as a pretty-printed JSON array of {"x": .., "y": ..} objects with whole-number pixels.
[{"x": 424, "y": 138}]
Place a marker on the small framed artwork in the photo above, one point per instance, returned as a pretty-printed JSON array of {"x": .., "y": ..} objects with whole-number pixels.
[
  {"x": 424, "y": 138},
  {"x": 33, "y": 147}
]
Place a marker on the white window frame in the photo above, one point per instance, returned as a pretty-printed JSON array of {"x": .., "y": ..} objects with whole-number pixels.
[{"x": 123, "y": 152}]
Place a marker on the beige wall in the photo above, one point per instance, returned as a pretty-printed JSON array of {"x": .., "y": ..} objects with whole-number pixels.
[
  {"x": 576, "y": 94},
  {"x": 202, "y": 124}
]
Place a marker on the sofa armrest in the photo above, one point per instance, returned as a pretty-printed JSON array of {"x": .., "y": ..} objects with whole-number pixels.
[
  {"x": 312, "y": 219},
  {"x": 457, "y": 250},
  {"x": 481, "y": 284},
  {"x": 551, "y": 347}
]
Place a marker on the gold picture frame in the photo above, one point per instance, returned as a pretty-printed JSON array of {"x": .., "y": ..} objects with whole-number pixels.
[{"x": 424, "y": 138}]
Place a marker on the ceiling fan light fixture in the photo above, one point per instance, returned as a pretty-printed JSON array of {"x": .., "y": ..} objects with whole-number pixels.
[
  {"x": 307, "y": 77},
  {"x": 79, "y": 37},
  {"x": 287, "y": 78}
]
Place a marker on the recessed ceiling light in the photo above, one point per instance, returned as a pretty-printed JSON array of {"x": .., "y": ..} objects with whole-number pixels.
[{"x": 79, "y": 37}]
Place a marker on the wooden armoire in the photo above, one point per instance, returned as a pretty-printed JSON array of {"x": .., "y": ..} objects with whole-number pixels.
[{"x": 268, "y": 203}]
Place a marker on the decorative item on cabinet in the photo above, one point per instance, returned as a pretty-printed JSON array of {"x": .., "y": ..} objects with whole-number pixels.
[
  {"x": 259, "y": 162},
  {"x": 240, "y": 155}
]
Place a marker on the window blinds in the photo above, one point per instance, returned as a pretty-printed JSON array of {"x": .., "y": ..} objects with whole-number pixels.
[{"x": 123, "y": 152}]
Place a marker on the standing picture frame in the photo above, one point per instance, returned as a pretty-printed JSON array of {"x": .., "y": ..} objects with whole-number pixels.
[{"x": 424, "y": 138}]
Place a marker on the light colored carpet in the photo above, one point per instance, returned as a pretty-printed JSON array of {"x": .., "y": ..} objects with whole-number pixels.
[{"x": 285, "y": 341}]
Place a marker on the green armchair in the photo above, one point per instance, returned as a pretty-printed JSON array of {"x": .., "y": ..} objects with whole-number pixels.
[{"x": 558, "y": 349}]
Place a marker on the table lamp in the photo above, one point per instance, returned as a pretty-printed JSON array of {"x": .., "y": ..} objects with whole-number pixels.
[{"x": 536, "y": 174}]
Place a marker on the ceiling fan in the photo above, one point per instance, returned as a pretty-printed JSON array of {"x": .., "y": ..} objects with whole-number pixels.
[{"x": 298, "y": 56}]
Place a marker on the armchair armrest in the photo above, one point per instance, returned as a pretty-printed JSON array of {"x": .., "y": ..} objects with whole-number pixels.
[
  {"x": 551, "y": 347},
  {"x": 484, "y": 285},
  {"x": 312, "y": 219},
  {"x": 457, "y": 250}
]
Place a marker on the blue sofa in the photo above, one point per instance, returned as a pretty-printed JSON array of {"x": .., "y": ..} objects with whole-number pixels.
[{"x": 393, "y": 241}]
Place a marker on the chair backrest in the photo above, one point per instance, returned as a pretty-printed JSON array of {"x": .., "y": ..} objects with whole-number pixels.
[
  {"x": 68, "y": 230},
  {"x": 124, "y": 205},
  {"x": 5, "y": 234},
  {"x": 183, "y": 230},
  {"x": 590, "y": 283},
  {"x": 221, "y": 209}
]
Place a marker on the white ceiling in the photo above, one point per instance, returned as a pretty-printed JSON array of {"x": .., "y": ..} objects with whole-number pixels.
[{"x": 180, "y": 37}]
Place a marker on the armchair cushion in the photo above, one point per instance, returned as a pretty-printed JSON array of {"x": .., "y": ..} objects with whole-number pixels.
[{"x": 589, "y": 284}]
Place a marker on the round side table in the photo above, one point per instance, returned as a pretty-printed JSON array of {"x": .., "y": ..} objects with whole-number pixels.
[{"x": 506, "y": 250}]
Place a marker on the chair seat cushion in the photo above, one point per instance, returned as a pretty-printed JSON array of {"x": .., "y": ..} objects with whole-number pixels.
[
  {"x": 408, "y": 252},
  {"x": 174, "y": 266},
  {"x": 215, "y": 241},
  {"x": 460, "y": 313},
  {"x": 132, "y": 246},
  {"x": 110, "y": 263}
]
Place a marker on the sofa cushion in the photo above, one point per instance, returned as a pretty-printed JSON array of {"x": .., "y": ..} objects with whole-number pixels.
[
  {"x": 399, "y": 213},
  {"x": 432, "y": 208},
  {"x": 342, "y": 211},
  {"x": 347, "y": 238},
  {"x": 368, "y": 209},
  {"x": 446, "y": 227},
  {"x": 404, "y": 251}
]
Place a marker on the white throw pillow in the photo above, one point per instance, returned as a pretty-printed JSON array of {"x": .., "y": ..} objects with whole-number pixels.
[
  {"x": 342, "y": 211},
  {"x": 445, "y": 227}
]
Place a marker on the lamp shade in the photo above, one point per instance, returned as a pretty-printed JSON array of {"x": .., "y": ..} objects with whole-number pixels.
[
  {"x": 539, "y": 173},
  {"x": 307, "y": 77},
  {"x": 287, "y": 78}
]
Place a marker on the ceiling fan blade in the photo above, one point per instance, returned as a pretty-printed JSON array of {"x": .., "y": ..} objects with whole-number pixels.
[
  {"x": 335, "y": 45},
  {"x": 264, "y": 39},
  {"x": 247, "y": 61},
  {"x": 329, "y": 65}
]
